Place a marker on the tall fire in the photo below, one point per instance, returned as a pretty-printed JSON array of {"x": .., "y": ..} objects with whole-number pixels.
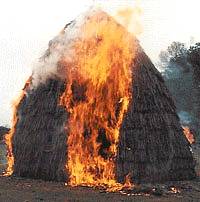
[
  {"x": 102, "y": 77},
  {"x": 102, "y": 59},
  {"x": 97, "y": 113}
]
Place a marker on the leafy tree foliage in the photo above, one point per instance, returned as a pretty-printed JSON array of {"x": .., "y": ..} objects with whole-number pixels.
[
  {"x": 175, "y": 57},
  {"x": 177, "y": 61},
  {"x": 193, "y": 56}
]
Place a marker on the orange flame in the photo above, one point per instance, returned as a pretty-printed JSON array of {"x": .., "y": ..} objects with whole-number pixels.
[
  {"x": 189, "y": 135},
  {"x": 97, "y": 96},
  {"x": 8, "y": 137},
  {"x": 174, "y": 190}
]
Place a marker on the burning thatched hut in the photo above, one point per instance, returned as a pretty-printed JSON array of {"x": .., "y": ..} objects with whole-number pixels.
[{"x": 98, "y": 115}]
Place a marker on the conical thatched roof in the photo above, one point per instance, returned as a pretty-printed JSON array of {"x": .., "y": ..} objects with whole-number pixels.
[{"x": 151, "y": 148}]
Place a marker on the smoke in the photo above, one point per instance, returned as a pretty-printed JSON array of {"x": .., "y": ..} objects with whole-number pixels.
[
  {"x": 185, "y": 118},
  {"x": 61, "y": 47},
  {"x": 130, "y": 18},
  {"x": 47, "y": 66}
]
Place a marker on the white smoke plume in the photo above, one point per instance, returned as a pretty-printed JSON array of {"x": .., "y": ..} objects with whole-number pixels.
[
  {"x": 59, "y": 47},
  {"x": 47, "y": 66}
]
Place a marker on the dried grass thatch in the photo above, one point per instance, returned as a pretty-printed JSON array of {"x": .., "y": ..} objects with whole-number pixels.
[{"x": 152, "y": 146}]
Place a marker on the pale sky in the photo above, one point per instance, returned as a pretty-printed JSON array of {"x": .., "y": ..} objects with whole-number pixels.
[{"x": 26, "y": 26}]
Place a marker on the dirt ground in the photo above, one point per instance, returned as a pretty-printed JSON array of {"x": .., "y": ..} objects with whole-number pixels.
[
  {"x": 24, "y": 190},
  {"x": 13, "y": 189}
]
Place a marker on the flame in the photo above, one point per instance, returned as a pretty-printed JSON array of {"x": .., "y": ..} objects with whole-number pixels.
[
  {"x": 130, "y": 18},
  {"x": 189, "y": 135},
  {"x": 97, "y": 96},
  {"x": 128, "y": 184},
  {"x": 9, "y": 136},
  {"x": 174, "y": 190}
]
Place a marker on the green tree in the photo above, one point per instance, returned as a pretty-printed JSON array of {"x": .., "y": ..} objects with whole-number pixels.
[
  {"x": 194, "y": 59},
  {"x": 175, "y": 57},
  {"x": 177, "y": 61}
]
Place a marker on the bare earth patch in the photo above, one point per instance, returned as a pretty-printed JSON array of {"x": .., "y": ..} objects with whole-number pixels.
[{"x": 14, "y": 189}]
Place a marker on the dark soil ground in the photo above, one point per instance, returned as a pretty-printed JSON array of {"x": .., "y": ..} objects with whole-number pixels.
[
  {"x": 13, "y": 189},
  {"x": 17, "y": 189}
]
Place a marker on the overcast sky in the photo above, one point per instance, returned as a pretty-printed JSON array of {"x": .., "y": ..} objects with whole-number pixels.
[{"x": 26, "y": 26}]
